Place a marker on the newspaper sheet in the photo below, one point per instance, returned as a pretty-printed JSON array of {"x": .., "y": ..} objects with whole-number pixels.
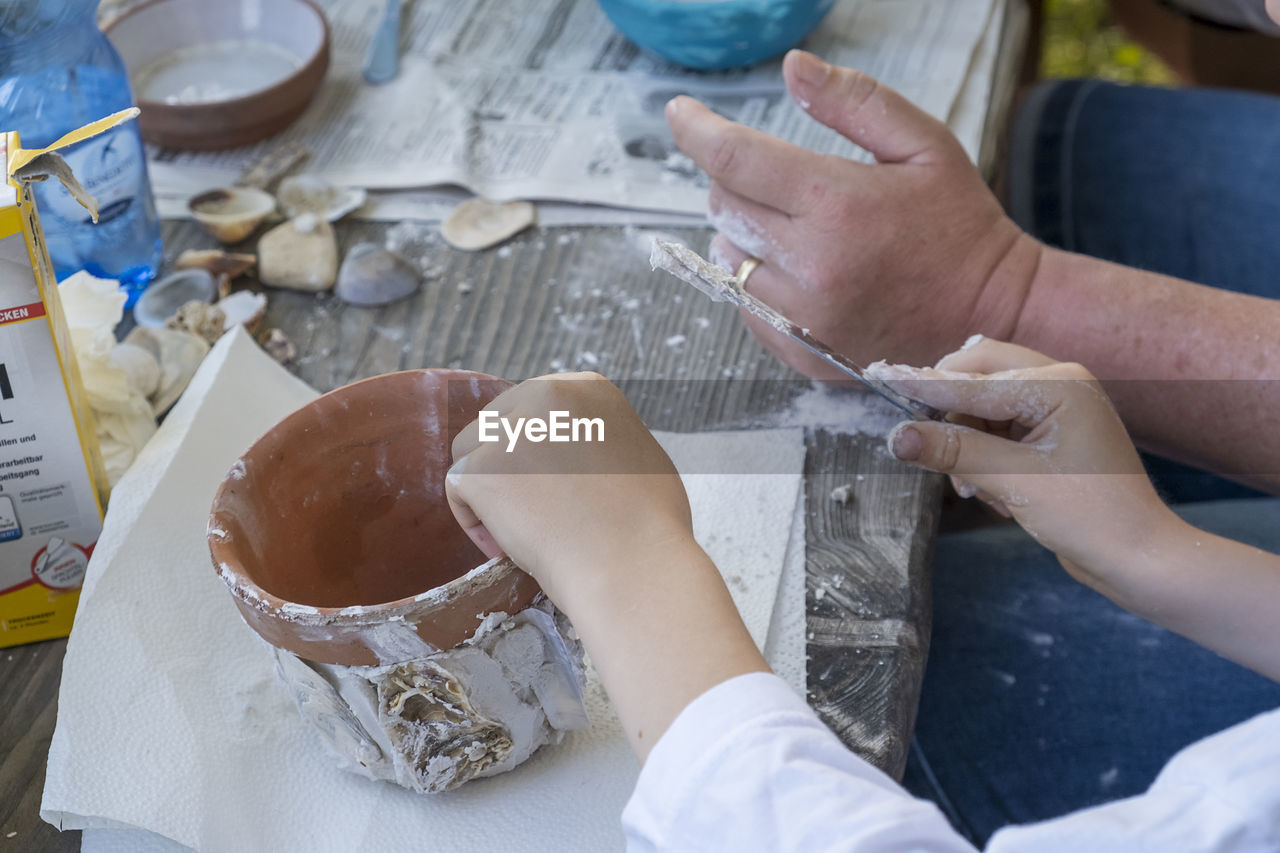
[{"x": 544, "y": 99}]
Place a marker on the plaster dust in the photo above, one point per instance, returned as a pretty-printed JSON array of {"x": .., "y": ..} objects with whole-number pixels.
[
  {"x": 139, "y": 682},
  {"x": 835, "y": 408}
]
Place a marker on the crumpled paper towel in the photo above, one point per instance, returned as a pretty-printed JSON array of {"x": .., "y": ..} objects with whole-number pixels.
[
  {"x": 121, "y": 413},
  {"x": 173, "y": 730}
]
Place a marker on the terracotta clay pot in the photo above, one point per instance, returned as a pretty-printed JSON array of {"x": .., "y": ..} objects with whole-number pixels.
[
  {"x": 155, "y": 27},
  {"x": 334, "y": 535}
]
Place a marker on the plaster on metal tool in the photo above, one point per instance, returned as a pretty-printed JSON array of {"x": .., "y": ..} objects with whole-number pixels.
[{"x": 722, "y": 286}]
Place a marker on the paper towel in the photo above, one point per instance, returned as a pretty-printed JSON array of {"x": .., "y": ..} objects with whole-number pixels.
[{"x": 171, "y": 720}]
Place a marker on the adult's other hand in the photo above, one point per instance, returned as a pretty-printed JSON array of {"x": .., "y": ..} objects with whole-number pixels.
[{"x": 901, "y": 259}]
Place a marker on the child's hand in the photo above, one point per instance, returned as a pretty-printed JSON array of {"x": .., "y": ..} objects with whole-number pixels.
[
  {"x": 568, "y": 508},
  {"x": 604, "y": 527},
  {"x": 1040, "y": 441}
]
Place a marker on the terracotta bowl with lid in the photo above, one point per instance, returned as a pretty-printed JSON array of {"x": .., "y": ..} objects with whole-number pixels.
[{"x": 333, "y": 532}]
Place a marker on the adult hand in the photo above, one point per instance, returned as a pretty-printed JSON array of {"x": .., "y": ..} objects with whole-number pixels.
[
  {"x": 1040, "y": 441},
  {"x": 901, "y": 259}
]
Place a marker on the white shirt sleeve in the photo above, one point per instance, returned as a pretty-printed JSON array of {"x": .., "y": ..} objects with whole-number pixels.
[{"x": 748, "y": 766}]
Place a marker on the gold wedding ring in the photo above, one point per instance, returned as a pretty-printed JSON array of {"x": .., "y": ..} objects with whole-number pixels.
[{"x": 745, "y": 269}]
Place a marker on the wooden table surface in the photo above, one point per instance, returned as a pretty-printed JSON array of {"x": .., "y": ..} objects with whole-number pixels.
[{"x": 585, "y": 298}]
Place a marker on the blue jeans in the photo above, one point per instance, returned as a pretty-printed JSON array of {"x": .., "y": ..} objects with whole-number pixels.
[{"x": 1041, "y": 697}]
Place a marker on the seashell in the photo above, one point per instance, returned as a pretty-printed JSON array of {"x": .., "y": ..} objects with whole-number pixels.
[
  {"x": 223, "y": 266},
  {"x": 301, "y": 254},
  {"x": 243, "y": 308},
  {"x": 162, "y": 300},
  {"x": 306, "y": 193},
  {"x": 370, "y": 275},
  {"x": 139, "y": 365},
  {"x": 478, "y": 223},
  {"x": 231, "y": 214},
  {"x": 199, "y": 318},
  {"x": 279, "y": 347},
  {"x": 179, "y": 355}
]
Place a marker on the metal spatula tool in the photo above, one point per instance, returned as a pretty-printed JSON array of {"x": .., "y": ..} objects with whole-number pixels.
[{"x": 722, "y": 286}]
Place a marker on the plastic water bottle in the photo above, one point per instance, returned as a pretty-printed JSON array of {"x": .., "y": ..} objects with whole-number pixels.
[{"x": 57, "y": 73}]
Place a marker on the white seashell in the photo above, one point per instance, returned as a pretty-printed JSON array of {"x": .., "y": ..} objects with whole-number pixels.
[
  {"x": 307, "y": 193},
  {"x": 139, "y": 365},
  {"x": 280, "y": 348},
  {"x": 243, "y": 308},
  {"x": 199, "y": 318},
  {"x": 162, "y": 300},
  {"x": 370, "y": 275},
  {"x": 179, "y": 355},
  {"x": 231, "y": 214},
  {"x": 301, "y": 254},
  {"x": 478, "y": 223}
]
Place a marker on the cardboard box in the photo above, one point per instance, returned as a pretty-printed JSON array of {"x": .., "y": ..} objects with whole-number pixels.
[{"x": 51, "y": 477}]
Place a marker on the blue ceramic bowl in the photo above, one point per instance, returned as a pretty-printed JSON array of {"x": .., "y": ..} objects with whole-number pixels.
[{"x": 710, "y": 34}]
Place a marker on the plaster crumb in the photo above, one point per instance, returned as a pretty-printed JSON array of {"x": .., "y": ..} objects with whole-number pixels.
[
  {"x": 842, "y": 494},
  {"x": 819, "y": 593},
  {"x": 465, "y": 287},
  {"x": 1108, "y": 778},
  {"x": 11, "y": 834},
  {"x": 504, "y": 252},
  {"x": 589, "y": 358},
  {"x": 702, "y": 322},
  {"x": 675, "y": 341}
]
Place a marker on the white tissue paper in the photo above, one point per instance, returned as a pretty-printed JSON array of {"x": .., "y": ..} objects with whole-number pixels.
[
  {"x": 121, "y": 412},
  {"x": 174, "y": 733}
]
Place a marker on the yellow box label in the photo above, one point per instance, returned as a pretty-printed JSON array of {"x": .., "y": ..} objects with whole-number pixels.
[{"x": 50, "y": 468}]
